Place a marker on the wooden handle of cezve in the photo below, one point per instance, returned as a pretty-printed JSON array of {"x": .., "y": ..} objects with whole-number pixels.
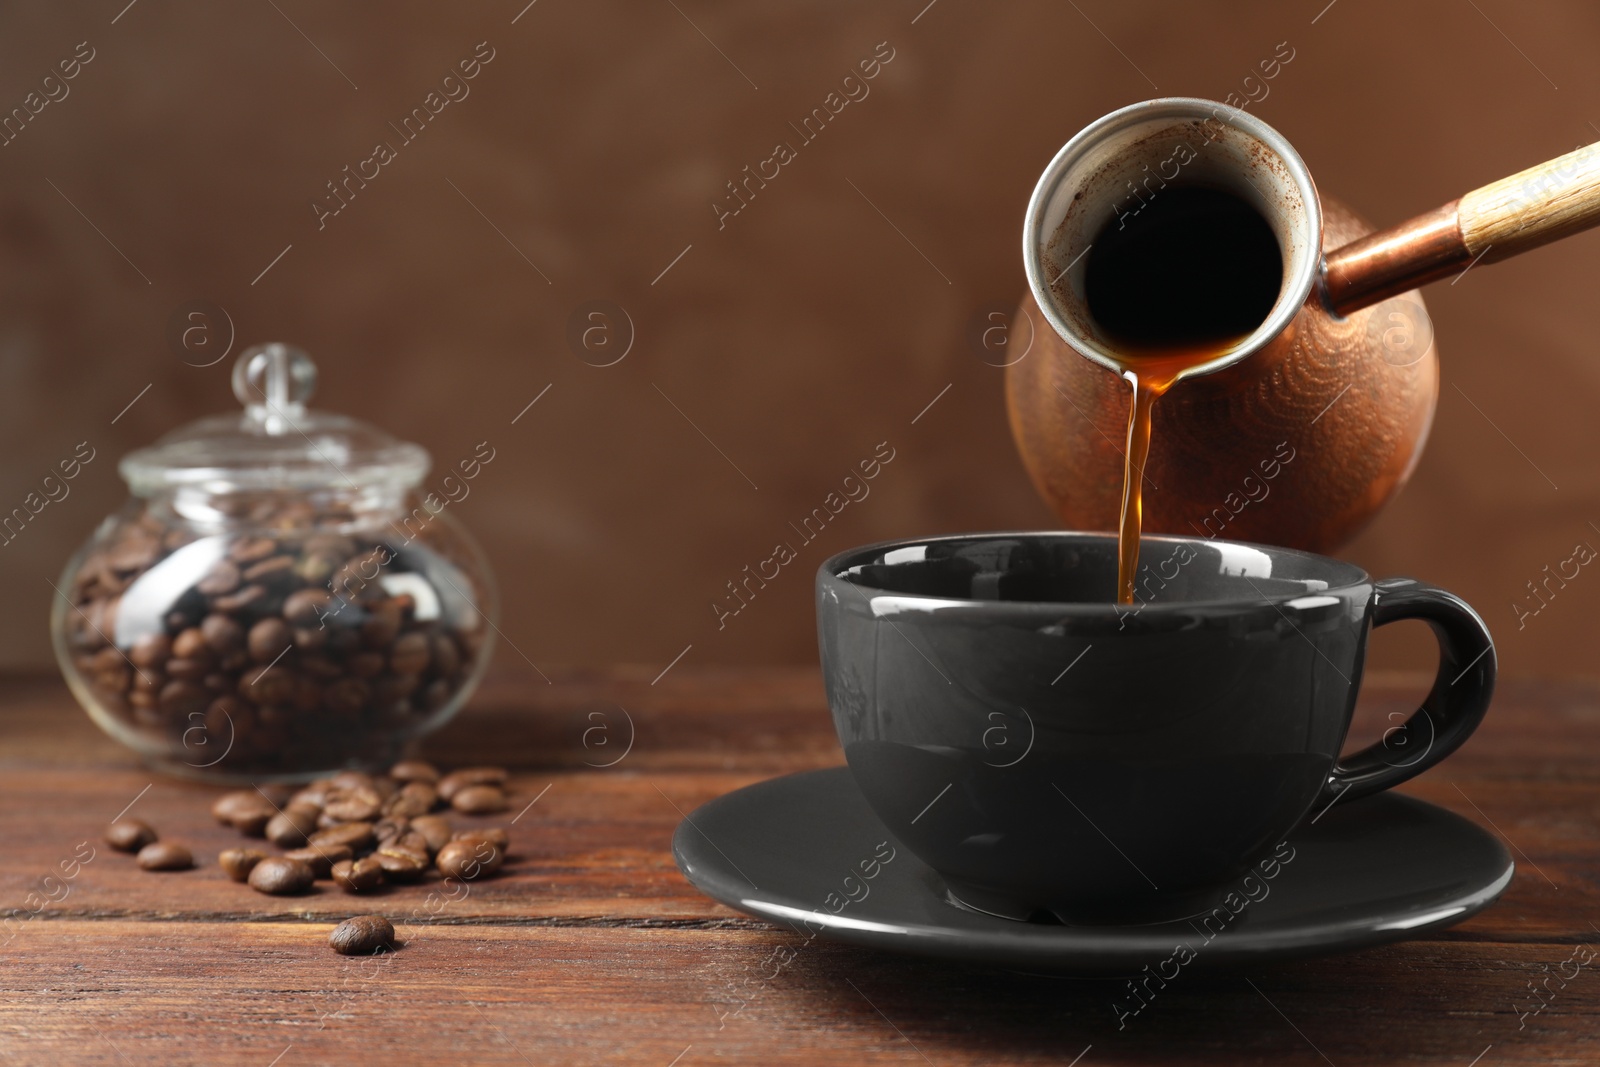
[{"x": 1500, "y": 220}]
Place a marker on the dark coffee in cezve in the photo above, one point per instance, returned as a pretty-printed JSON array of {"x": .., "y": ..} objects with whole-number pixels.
[{"x": 1170, "y": 286}]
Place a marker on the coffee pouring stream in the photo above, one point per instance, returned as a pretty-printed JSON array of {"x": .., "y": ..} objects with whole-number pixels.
[{"x": 1287, "y": 412}]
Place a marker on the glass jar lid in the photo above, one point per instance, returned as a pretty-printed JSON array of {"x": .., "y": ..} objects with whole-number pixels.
[{"x": 277, "y": 443}]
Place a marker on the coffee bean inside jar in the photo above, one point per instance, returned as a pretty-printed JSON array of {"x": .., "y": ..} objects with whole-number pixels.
[{"x": 278, "y": 599}]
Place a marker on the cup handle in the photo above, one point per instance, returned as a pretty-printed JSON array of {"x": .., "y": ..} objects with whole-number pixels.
[{"x": 1454, "y": 706}]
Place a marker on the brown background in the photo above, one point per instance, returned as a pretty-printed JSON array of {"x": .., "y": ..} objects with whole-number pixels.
[{"x": 798, "y": 337}]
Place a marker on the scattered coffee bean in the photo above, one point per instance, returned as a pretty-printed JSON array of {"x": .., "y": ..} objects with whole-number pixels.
[
  {"x": 281, "y": 876},
  {"x": 224, "y": 808},
  {"x": 318, "y": 826},
  {"x": 352, "y": 780},
  {"x": 469, "y": 859},
  {"x": 312, "y": 795},
  {"x": 414, "y": 770},
  {"x": 411, "y": 841},
  {"x": 277, "y": 793},
  {"x": 353, "y": 835},
  {"x": 455, "y": 781},
  {"x": 358, "y": 876},
  {"x": 496, "y": 835},
  {"x": 389, "y": 827},
  {"x": 362, "y": 936},
  {"x": 237, "y": 863},
  {"x": 129, "y": 835},
  {"x": 303, "y": 806},
  {"x": 402, "y": 864},
  {"x": 361, "y": 804},
  {"x": 291, "y": 827},
  {"x": 414, "y": 798},
  {"x": 165, "y": 856},
  {"x": 435, "y": 829},
  {"x": 245, "y": 810},
  {"x": 320, "y": 858},
  {"x": 479, "y": 799}
]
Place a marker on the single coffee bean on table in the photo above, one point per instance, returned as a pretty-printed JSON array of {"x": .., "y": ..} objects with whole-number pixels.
[
  {"x": 165, "y": 856},
  {"x": 129, "y": 835},
  {"x": 362, "y": 935}
]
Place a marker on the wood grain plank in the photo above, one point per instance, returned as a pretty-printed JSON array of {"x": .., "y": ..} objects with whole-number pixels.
[
  {"x": 596, "y": 845},
  {"x": 597, "y": 848},
  {"x": 119, "y": 992},
  {"x": 591, "y": 947}
]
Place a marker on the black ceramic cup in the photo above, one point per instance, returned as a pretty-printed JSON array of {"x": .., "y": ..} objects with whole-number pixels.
[{"x": 1049, "y": 752}]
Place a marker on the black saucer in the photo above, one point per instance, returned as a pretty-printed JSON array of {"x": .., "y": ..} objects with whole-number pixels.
[{"x": 806, "y": 851}]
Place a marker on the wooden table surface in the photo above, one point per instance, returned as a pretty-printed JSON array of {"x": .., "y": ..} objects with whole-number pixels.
[{"x": 591, "y": 948}]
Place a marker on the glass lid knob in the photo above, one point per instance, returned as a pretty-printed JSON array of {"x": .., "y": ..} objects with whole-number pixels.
[{"x": 273, "y": 382}]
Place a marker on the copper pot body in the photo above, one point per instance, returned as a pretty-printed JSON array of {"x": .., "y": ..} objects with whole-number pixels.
[{"x": 1299, "y": 444}]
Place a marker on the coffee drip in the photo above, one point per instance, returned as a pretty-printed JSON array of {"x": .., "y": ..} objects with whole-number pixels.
[{"x": 1172, "y": 286}]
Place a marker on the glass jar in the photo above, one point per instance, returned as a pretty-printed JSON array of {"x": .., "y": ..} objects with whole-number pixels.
[{"x": 277, "y": 600}]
